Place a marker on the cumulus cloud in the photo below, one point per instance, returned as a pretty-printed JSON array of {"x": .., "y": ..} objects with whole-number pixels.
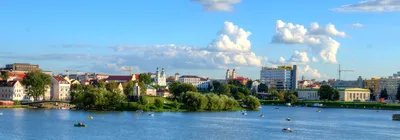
[
  {"x": 307, "y": 71},
  {"x": 371, "y": 6},
  {"x": 316, "y": 38},
  {"x": 357, "y": 25},
  {"x": 218, "y": 5},
  {"x": 299, "y": 57},
  {"x": 231, "y": 39},
  {"x": 314, "y": 59}
]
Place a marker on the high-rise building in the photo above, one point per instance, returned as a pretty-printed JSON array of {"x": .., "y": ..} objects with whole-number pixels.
[
  {"x": 374, "y": 84},
  {"x": 391, "y": 84},
  {"x": 281, "y": 78}
]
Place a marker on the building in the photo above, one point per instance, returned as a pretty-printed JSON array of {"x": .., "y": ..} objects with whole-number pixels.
[
  {"x": 101, "y": 76},
  {"x": 391, "y": 84},
  {"x": 161, "y": 78},
  {"x": 163, "y": 93},
  {"x": 190, "y": 79},
  {"x": 374, "y": 84},
  {"x": 60, "y": 89},
  {"x": 229, "y": 75},
  {"x": 177, "y": 76},
  {"x": 12, "y": 90},
  {"x": 136, "y": 90},
  {"x": 151, "y": 91},
  {"x": 281, "y": 78},
  {"x": 242, "y": 79},
  {"x": 204, "y": 83},
  {"x": 354, "y": 94},
  {"x": 346, "y": 94},
  {"x": 121, "y": 79},
  {"x": 21, "y": 67},
  {"x": 308, "y": 94},
  {"x": 170, "y": 79},
  {"x": 348, "y": 84}
]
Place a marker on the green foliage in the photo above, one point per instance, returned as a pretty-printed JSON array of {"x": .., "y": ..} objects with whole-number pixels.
[
  {"x": 274, "y": 95},
  {"x": 249, "y": 84},
  {"x": 178, "y": 89},
  {"x": 235, "y": 83},
  {"x": 224, "y": 89},
  {"x": 143, "y": 88},
  {"x": 262, "y": 88},
  {"x": 194, "y": 101},
  {"x": 128, "y": 89},
  {"x": 145, "y": 78},
  {"x": 290, "y": 97},
  {"x": 384, "y": 94},
  {"x": 113, "y": 87},
  {"x": 252, "y": 103},
  {"x": 157, "y": 86},
  {"x": 176, "y": 105},
  {"x": 36, "y": 83},
  {"x": 230, "y": 103},
  {"x": 244, "y": 90},
  {"x": 326, "y": 92},
  {"x": 159, "y": 103},
  {"x": 398, "y": 93},
  {"x": 215, "y": 85},
  {"x": 143, "y": 100},
  {"x": 214, "y": 102},
  {"x": 5, "y": 75},
  {"x": 16, "y": 102}
]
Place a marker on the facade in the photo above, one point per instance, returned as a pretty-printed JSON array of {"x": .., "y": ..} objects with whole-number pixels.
[
  {"x": 391, "y": 84},
  {"x": 354, "y": 94},
  {"x": 281, "y": 78},
  {"x": 203, "y": 84},
  {"x": 163, "y": 93},
  {"x": 308, "y": 94},
  {"x": 12, "y": 90},
  {"x": 121, "y": 79},
  {"x": 151, "y": 91},
  {"x": 348, "y": 84},
  {"x": 22, "y": 67},
  {"x": 177, "y": 76},
  {"x": 242, "y": 79},
  {"x": 161, "y": 78},
  {"x": 60, "y": 89},
  {"x": 229, "y": 75},
  {"x": 374, "y": 84},
  {"x": 101, "y": 76},
  {"x": 136, "y": 89},
  {"x": 190, "y": 79}
]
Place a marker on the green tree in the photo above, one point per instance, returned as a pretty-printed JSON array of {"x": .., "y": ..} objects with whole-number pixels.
[
  {"x": 113, "y": 87},
  {"x": 128, "y": 89},
  {"x": 5, "y": 75},
  {"x": 230, "y": 104},
  {"x": 224, "y": 90},
  {"x": 215, "y": 85},
  {"x": 384, "y": 94},
  {"x": 214, "y": 102},
  {"x": 274, "y": 95},
  {"x": 326, "y": 92},
  {"x": 290, "y": 97},
  {"x": 234, "y": 90},
  {"x": 235, "y": 83},
  {"x": 262, "y": 88},
  {"x": 244, "y": 90},
  {"x": 178, "y": 89},
  {"x": 143, "y": 88},
  {"x": 281, "y": 95},
  {"x": 143, "y": 77},
  {"x": 372, "y": 95},
  {"x": 176, "y": 105},
  {"x": 157, "y": 86},
  {"x": 143, "y": 100},
  {"x": 36, "y": 83},
  {"x": 398, "y": 93},
  {"x": 252, "y": 103},
  {"x": 195, "y": 101},
  {"x": 101, "y": 83},
  {"x": 159, "y": 103},
  {"x": 249, "y": 84}
]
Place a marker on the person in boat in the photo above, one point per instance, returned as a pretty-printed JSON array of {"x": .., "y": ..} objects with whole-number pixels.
[
  {"x": 262, "y": 115},
  {"x": 288, "y": 119}
]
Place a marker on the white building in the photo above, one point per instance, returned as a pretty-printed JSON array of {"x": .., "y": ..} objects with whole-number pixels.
[
  {"x": 198, "y": 82},
  {"x": 346, "y": 94},
  {"x": 12, "y": 90},
  {"x": 151, "y": 91},
  {"x": 308, "y": 94},
  {"x": 60, "y": 89},
  {"x": 161, "y": 78},
  {"x": 281, "y": 78},
  {"x": 203, "y": 84}
]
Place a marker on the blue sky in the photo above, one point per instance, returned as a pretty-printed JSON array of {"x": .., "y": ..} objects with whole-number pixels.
[{"x": 85, "y": 35}]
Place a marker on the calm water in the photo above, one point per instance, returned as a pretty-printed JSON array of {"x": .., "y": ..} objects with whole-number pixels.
[{"x": 306, "y": 122}]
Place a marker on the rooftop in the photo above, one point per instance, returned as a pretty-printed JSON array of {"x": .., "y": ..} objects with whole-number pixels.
[{"x": 114, "y": 77}]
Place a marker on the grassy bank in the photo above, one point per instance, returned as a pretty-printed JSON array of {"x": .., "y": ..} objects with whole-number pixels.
[
  {"x": 15, "y": 106},
  {"x": 339, "y": 104}
]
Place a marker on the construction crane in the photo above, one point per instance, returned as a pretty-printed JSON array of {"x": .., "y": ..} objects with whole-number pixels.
[
  {"x": 67, "y": 71},
  {"x": 340, "y": 71}
]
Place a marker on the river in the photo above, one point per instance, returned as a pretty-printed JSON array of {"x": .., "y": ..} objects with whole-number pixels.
[{"x": 334, "y": 124}]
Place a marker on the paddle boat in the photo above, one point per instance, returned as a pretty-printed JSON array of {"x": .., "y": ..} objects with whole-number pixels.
[
  {"x": 80, "y": 125},
  {"x": 90, "y": 117},
  {"x": 262, "y": 115},
  {"x": 151, "y": 114},
  {"x": 244, "y": 113},
  {"x": 286, "y": 129},
  {"x": 288, "y": 119},
  {"x": 318, "y": 110}
]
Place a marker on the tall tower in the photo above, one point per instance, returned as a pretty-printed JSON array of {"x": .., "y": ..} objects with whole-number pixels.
[
  {"x": 163, "y": 73},
  {"x": 177, "y": 76},
  {"x": 228, "y": 75},
  {"x": 233, "y": 74},
  {"x": 157, "y": 73}
]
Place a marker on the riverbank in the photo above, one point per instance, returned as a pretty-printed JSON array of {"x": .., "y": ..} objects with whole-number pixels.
[
  {"x": 337, "y": 104},
  {"x": 15, "y": 106}
]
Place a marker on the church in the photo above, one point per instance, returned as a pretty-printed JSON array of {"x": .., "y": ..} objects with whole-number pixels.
[{"x": 161, "y": 78}]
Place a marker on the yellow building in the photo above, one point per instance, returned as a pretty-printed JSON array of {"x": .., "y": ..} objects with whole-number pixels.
[
  {"x": 354, "y": 94},
  {"x": 373, "y": 84}
]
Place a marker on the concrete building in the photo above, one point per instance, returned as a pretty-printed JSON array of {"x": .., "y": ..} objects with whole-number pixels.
[
  {"x": 161, "y": 78},
  {"x": 348, "y": 84},
  {"x": 374, "y": 84},
  {"x": 22, "y": 67},
  {"x": 60, "y": 89},
  {"x": 163, "y": 93},
  {"x": 204, "y": 83},
  {"x": 177, "y": 76},
  {"x": 198, "y": 82},
  {"x": 354, "y": 94},
  {"x": 12, "y": 90},
  {"x": 391, "y": 84},
  {"x": 281, "y": 78},
  {"x": 151, "y": 91},
  {"x": 307, "y": 94},
  {"x": 136, "y": 90}
]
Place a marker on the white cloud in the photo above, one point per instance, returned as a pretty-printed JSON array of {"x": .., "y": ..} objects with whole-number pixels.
[
  {"x": 314, "y": 59},
  {"x": 218, "y": 5},
  {"x": 299, "y": 57},
  {"x": 282, "y": 60},
  {"x": 328, "y": 30},
  {"x": 309, "y": 72},
  {"x": 231, "y": 39},
  {"x": 317, "y": 39},
  {"x": 357, "y": 25},
  {"x": 371, "y": 6}
]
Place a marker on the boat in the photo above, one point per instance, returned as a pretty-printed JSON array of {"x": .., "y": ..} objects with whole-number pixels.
[
  {"x": 244, "y": 113},
  {"x": 80, "y": 125},
  {"x": 288, "y": 119},
  {"x": 151, "y": 114},
  {"x": 1, "y": 113},
  {"x": 262, "y": 115},
  {"x": 90, "y": 117},
  {"x": 287, "y": 130},
  {"x": 318, "y": 110}
]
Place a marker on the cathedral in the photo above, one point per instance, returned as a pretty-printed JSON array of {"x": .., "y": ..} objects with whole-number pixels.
[
  {"x": 230, "y": 75},
  {"x": 161, "y": 78}
]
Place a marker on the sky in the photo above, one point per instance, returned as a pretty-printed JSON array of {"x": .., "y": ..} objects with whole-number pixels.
[{"x": 203, "y": 37}]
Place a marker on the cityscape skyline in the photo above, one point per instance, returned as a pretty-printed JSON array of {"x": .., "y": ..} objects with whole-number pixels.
[{"x": 243, "y": 35}]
